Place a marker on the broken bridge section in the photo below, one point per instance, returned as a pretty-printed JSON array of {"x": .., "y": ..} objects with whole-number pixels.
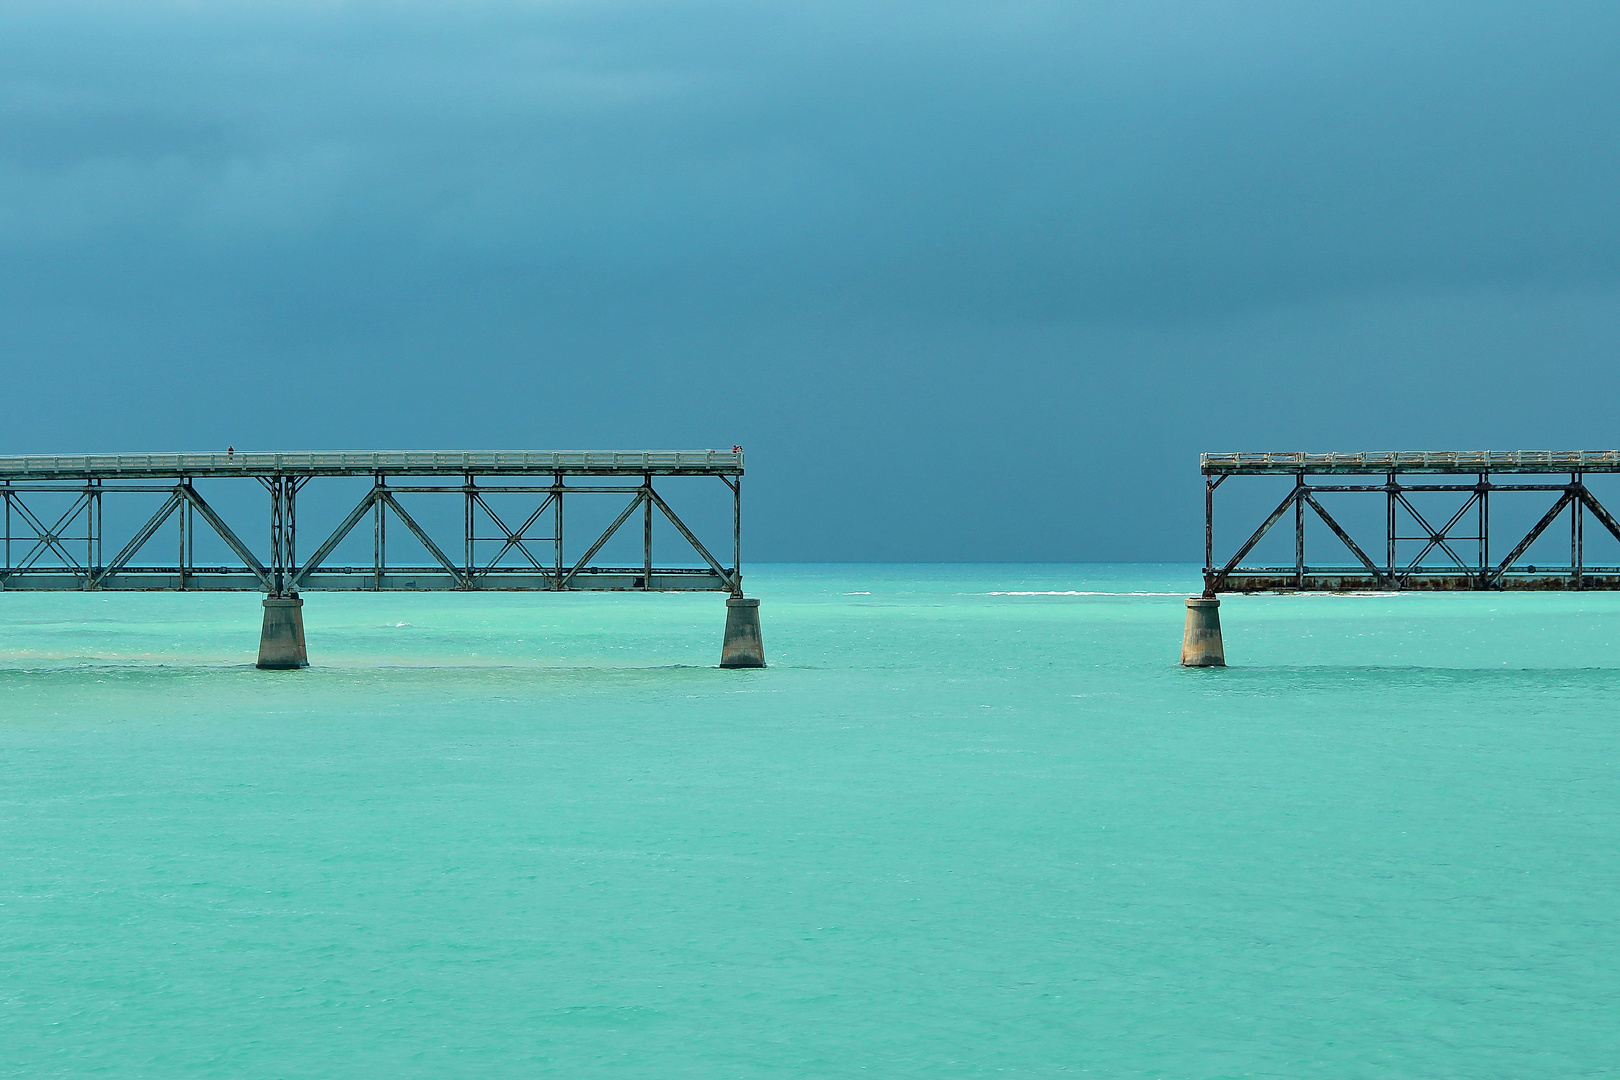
[{"x": 1435, "y": 509}]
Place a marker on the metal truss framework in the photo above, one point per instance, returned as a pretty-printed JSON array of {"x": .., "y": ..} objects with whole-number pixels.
[
  {"x": 1443, "y": 562},
  {"x": 66, "y": 552}
]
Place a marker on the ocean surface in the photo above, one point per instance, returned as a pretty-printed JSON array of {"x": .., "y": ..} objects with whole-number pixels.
[{"x": 972, "y": 821}]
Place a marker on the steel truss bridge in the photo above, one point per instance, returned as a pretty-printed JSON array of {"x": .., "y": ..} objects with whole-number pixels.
[
  {"x": 68, "y": 549},
  {"x": 1410, "y": 485}
]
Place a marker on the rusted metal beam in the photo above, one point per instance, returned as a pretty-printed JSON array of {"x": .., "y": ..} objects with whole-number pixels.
[
  {"x": 1435, "y": 538},
  {"x": 1338, "y": 530},
  {"x": 1531, "y": 537},
  {"x": 1254, "y": 539}
]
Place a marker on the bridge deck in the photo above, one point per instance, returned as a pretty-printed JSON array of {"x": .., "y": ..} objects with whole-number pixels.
[
  {"x": 375, "y": 462},
  {"x": 1415, "y": 461}
]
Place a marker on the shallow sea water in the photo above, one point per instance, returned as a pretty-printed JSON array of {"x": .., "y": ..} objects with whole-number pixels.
[{"x": 973, "y": 821}]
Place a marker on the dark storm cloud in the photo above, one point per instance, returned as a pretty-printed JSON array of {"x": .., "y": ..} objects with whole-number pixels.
[{"x": 946, "y": 233}]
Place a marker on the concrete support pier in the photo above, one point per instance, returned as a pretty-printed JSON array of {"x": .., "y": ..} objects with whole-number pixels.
[
  {"x": 743, "y": 645},
  {"x": 281, "y": 642},
  {"x": 1201, "y": 641}
]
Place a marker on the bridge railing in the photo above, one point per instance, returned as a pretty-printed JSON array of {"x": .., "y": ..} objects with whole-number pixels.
[
  {"x": 1398, "y": 461},
  {"x": 394, "y": 462}
]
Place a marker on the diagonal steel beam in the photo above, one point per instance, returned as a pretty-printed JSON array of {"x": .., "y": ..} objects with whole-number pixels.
[
  {"x": 331, "y": 543},
  {"x": 1436, "y": 538},
  {"x": 1600, "y": 512},
  {"x": 1524, "y": 545},
  {"x": 47, "y": 539},
  {"x": 714, "y": 563},
  {"x": 232, "y": 541},
  {"x": 155, "y": 522},
  {"x": 1344, "y": 536},
  {"x": 513, "y": 539},
  {"x": 600, "y": 540},
  {"x": 51, "y": 538},
  {"x": 40, "y": 532},
  {"x": 427, "y": 541},
  {"x": 1259, "y": 534}
]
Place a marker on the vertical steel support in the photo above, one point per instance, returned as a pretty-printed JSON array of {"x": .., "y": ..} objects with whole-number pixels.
[
  {"x": 557, "y": 526},
  {"x": 274, "y": 486},
  {"x": 468, "y": 487},
  {"x": 292, "y": 530},
  {"x": 185, "y": 535},
  {"x": 378, "y": 533},
  {"x": 8, "y": 525},
  {"x": 283, "y": 490},
  {"x": 1299, "y": 531},
  {"x": 1209, "y": 534},
  {"x": 1393, "y": 490},
  {"x": 646, "y": 549},
  {"x": 92, "y": 530},
  {"x": 188, "y": 525},
  {"x": 286, "y": 535},
  {"x": 736, "y": 535},
  {"x": 1577, "y": 537},
  {"x": 1483, "y": 489}
]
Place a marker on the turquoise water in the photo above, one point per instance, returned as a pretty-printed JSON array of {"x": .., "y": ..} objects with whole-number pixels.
[{"x": 952, "y": 831}]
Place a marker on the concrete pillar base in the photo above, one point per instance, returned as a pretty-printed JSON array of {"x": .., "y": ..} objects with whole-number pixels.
[
  {"x": 743, "y": 645},
  {"x": 1201, "y": 641},
  {"x": 281, "y": 642}
]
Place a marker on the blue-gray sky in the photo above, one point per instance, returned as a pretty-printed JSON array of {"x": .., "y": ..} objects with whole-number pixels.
[{"x": 968, "y": 280}]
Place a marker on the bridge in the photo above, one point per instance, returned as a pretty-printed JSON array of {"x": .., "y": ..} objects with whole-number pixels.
[
  {"x": 55, "y": 536},
  {"x": 1433, "y": 512}
]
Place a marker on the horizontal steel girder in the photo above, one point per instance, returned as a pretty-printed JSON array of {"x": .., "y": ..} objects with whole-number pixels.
[
  {"x": 364, "y": 579},
  {"x": 1550, "y": 580}
]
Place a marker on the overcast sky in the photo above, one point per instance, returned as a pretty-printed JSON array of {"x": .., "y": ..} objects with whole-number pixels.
[{"x": 968, "y": 281}]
